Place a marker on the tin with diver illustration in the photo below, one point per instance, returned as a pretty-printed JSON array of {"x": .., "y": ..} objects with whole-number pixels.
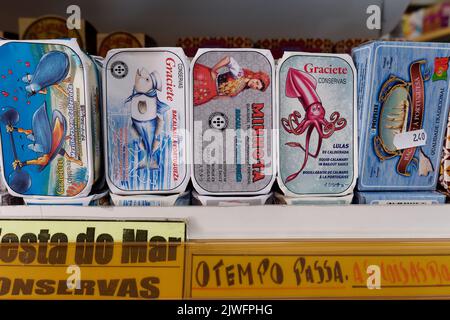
[
  {"x": 232, "y": 121},
  {"x": 145, "y": 113},
  {"x": 317, "y": 150},
  {"x": 403, "y": 107},
  {"x": 45, "y": 119}
]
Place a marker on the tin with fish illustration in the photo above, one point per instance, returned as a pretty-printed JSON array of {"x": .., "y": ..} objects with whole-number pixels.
[
  {"x": 403, "y": 98},
  {"x": 317, "y": 149},
  {"x": 232, "y": 122},
  {"x": 145, "y": 116},
  {"x": 45, "y": 119}
]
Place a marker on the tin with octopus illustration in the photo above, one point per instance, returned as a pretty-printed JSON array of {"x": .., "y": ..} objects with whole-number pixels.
[
  {"x": 45, "y": 120},
  {"x": 232, "y": 105},
  {"x": 317, "y": 152},
  {"x": 403, "y": 112}
]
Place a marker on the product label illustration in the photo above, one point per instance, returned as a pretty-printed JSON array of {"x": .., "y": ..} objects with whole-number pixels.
[
  {"x": 43, "y": 119},
  {"x": 232, "y": 121},
  {"x": 145, "y": 119},
  {"x": 316, "y": 149},
  {"x": 404, "y": 116},
  {"x": 402, "y": 108}
]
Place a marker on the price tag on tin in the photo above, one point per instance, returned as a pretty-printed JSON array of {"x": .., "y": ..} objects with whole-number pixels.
[{"x": 410, "y": 139}]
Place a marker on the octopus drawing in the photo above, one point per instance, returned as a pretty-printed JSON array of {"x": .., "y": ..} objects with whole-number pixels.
[{"x": 303, "y": 86}]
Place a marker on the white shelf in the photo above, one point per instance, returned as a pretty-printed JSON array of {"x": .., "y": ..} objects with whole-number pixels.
[{"x": 271, "y": 222}]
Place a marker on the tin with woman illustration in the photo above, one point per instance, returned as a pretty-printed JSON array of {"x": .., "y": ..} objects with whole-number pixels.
[
  {"x": 45, "y": 119},
  {"x": 317, "y": 149},
  {"x": 232, "y": 121}
]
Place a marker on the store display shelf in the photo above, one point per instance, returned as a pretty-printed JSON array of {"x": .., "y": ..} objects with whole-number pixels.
[
  {"x": 438, "y": 35},
  {"x": 270, "y": 222}
]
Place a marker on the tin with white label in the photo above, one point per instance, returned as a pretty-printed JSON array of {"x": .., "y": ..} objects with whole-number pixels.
[
  {"x": 232, "y": 122},
  {"x": 145, "y": 116},
  {"x": 317, "y": 149}
]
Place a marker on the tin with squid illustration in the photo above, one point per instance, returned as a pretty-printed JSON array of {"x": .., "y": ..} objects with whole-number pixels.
[
  {"x": 403, "y": 112},
  {"x": 317, "y": 149}
]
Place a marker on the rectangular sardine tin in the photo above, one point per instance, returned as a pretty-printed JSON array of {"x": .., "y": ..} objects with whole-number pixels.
[
  {"x": 45, "y": 120},
  {"x": 399, "y": 197},
  {"x": 233, "y": 112},
  {"x": 317, "y": 149},
  {"x": 145, "y": 117},
  {"x": 403, "y": 91}
]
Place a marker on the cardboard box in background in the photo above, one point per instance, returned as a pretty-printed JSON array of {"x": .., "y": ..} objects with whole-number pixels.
[
  {"x": 54, "y": 27},
  {"x": 120, "y": 39},
  {"x": 8, "y": 35}
]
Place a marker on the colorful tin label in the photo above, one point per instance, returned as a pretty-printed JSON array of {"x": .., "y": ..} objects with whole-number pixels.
[
  {"x": 398, "y": 197},
  {"x": 233, "y": 120},
  {"x": 317, "y": 124},
  {"x": 44, "y": 119},
  {"x": 404, "y": 115},
  {"x": 145, "y": 112}
]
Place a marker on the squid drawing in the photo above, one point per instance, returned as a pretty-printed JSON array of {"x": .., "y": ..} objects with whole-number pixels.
[{"x": 302, "y": 86}]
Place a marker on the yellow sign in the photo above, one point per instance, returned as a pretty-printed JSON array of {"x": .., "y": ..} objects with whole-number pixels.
[
  {"x": 91, "y": 259},
  {"x": 318, "y": 269}
]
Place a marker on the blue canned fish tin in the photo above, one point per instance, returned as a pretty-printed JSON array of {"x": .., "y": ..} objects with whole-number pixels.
[
  {"x": 317, "y": 149},
  {"x": 45, "y": 119},
  {"x": 145, "y": 116},
  {"x": 232, "y": 121},
  {"x": 403, "y": 98}
]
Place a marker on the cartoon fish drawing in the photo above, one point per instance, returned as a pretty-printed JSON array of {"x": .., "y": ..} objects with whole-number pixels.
[
  {"x": 147, "y": 113},
  {"x": 52, "y": 69}
]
